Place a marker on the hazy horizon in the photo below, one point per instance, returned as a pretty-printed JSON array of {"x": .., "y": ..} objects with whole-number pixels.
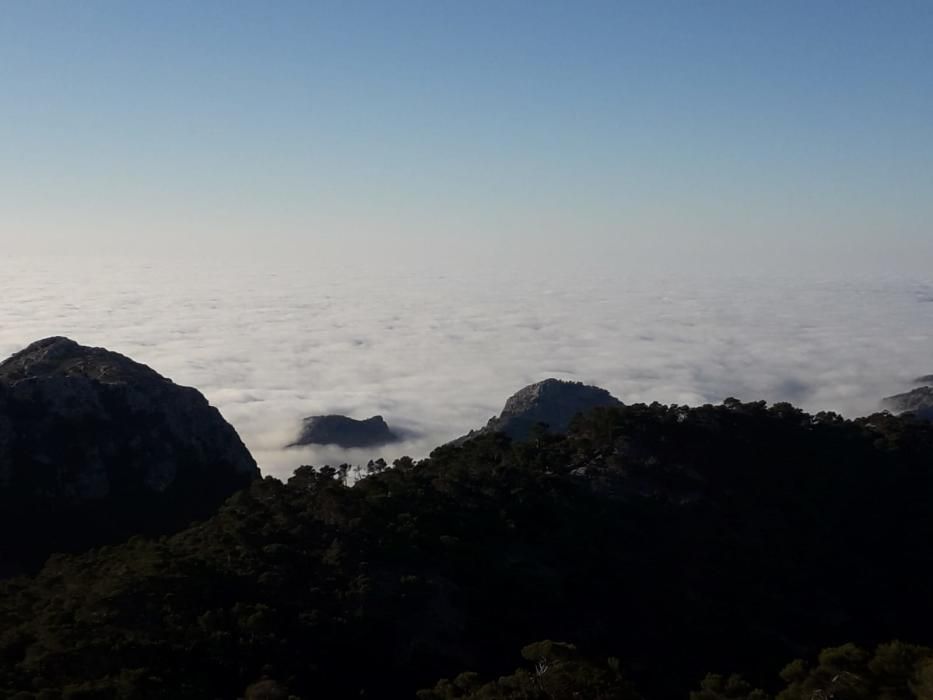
[
  {"x": 437, "y": 353},
  {"x": 417, "y": 208}
]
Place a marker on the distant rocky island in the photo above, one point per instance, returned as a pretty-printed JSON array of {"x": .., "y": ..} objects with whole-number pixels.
[{"x": 342, "y": 431}]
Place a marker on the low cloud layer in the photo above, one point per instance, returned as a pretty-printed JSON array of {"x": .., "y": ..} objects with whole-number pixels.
[{"x": 438, "y": 354}]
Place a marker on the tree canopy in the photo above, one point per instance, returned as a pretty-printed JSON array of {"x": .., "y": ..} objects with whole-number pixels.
[{"x": 656, "y": 543}]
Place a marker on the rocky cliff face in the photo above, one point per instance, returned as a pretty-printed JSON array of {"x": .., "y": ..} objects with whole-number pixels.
[
  {"x": 919, "y": 402},
  {"x": 94, "y": 446},
  {"x": 553, "y": 402}
]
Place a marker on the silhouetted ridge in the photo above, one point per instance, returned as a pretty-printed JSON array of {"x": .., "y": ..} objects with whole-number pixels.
[
  {"x": 552, "y": 402},
  {"x": 917, "y": 401},
  {"x": 95, "y": 447}
]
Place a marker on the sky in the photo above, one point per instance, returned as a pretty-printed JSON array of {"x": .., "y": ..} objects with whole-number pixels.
[
  {"x": 718, "y": 135},
  {"x": 416, "y": 208}
]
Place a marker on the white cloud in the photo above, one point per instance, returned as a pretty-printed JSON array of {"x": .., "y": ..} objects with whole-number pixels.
[{"x": 438, "y": 353}]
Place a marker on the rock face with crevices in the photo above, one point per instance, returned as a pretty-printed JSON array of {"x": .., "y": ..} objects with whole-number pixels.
[
  {"x": 95, "y": 447},
  {"x": 345, "y": 432},
  {"x": 919, "y": 402},
  {"x": 553, "y": 402}
]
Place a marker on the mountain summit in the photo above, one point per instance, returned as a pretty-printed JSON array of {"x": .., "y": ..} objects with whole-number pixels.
[
  {"x": 553, "y": 402},
  {"x": 95, "y": 446},
  {"x": 918, "y": 401}
]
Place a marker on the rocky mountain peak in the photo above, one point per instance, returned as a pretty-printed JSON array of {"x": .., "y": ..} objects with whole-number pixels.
[
  {"x": 85, "y": 429},
  {"x": 61, "y": 358},
  {"x": 918, "y": 401},
  {"x": 554, "y": 402}
]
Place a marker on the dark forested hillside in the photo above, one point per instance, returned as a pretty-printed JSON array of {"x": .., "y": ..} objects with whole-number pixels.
[{"x": 674, "y": 541}]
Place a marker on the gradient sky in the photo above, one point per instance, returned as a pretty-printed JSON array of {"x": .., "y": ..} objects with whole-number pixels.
[{"x": 715, "y": 133}]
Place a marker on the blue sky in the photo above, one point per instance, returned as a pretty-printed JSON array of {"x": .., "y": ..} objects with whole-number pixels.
[{"x": 719, "y": 133}]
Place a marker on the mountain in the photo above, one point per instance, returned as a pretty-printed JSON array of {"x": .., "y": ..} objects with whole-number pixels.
[
  {"x": 345, "y": 432},
  {"x": 552, "y": 402},
  {"x": 95, "y": 447},
  {"x": 918, "y": 401}
]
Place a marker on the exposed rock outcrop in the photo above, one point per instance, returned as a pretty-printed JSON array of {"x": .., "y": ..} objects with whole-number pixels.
[
  {"x": 345, "y": 432},
  {"x": 95, "y": 447},
  {"x": 919, "y": 402},
  {"x": 553, "y": 402}
]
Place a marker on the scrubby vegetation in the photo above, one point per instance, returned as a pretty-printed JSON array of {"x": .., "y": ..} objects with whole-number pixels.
[
  {"x": 655, "y": 543},
  {"x": 556, "y": 671}
]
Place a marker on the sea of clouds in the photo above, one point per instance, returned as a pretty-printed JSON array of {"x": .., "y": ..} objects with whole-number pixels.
[{"x": 438, "y": 352}]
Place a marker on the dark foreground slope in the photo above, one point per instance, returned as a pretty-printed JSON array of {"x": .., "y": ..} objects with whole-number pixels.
[
  {"x": 95, "y": 447},
  {"x": 678, "y": 540}
]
